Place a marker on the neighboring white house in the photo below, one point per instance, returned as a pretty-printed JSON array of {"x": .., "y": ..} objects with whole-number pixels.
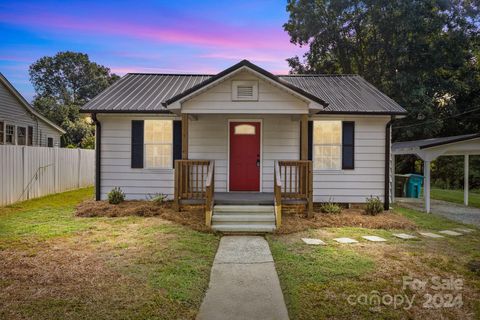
[
  {"x": 245, "y": 119},
  {"x": 20, "y": 124}
]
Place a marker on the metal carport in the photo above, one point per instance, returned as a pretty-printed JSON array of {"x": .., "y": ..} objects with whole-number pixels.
[{"x": 430, "y": 149}]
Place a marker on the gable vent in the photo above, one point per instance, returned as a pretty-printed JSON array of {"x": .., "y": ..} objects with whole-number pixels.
[{"x": 244, "y": 90}]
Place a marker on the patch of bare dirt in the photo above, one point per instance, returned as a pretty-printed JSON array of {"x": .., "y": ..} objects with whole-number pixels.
[
  {"x": 347, "y": 218},
  {"x": 65, "y": 280},
  {"x": 193, "y": 217}
]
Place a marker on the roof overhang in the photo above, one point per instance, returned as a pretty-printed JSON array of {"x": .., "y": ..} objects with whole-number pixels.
[
  {"x": 26, "y": 105},
  {"x": 315, "y": 104}
]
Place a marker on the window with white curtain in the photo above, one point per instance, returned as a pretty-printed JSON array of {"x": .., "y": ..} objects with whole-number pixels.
[
  {"x": 327, "y": 145},
  {"x": 158, "y": 140}
]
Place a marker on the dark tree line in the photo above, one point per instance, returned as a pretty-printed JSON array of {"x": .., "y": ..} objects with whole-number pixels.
[{"x": 422, "y": 53}]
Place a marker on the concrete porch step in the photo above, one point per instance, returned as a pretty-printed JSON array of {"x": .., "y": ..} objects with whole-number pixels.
[
  {"x": 264, "y": 218},
  {"x": 243, "y": 209},
  {"x": 254, "y": 228},
  {"x": 243, "y": 218}
]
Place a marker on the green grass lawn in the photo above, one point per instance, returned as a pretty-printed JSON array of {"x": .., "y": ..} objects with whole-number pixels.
[
  {"x": 54, "y": 265},
  {"x": 318, "y": 281},
  {"x": 456, "y": 196}
]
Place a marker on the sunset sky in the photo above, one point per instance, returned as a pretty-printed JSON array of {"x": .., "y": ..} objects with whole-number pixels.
[{"x": 144, "y": 36}]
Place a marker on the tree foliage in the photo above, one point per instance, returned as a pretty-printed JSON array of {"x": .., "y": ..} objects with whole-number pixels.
[
  {"x": 62, "y": 84},
  {"x": 422, "y": 53}
]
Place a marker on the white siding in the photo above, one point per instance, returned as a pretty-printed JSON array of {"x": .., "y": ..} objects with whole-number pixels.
[
  {"x": 116, "y": 168},
  {"x": 271, "y": 99},
  {"x": 368, "y": 177},
  {"x": 208, "y": 139},
  {"x": 14, "y": 113}
]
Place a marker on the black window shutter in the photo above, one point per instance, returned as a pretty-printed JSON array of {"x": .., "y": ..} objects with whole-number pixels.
[
  {"x": 348, "y": 145},
  {"x": 137, "y": 143},
  {"x": 310, "y": 140},
  {"x": 177, "y": 140}
]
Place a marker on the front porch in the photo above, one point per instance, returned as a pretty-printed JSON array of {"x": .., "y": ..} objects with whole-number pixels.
[
  {"x": 213, "y": 183},
  {"x": 195, "y": 185}
]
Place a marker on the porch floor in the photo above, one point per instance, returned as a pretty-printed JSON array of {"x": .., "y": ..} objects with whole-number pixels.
[{"x": 244, "y": 198}]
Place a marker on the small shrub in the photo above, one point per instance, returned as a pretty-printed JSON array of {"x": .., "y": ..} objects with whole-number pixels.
[
  {"x": 158, "y": 198},
  {"x": 115, "y": 196},
  {"x": 330, "y": 207},
  {"x": 374, "y": 206}
]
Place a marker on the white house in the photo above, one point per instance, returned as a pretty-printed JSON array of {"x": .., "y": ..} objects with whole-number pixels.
[
  {"x": 20, "y": 124},
  {"x": 244, "y": 137}
]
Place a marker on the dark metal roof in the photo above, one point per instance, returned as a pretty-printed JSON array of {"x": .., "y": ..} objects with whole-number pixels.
[
  {"x": 346, "y": 93},
  {"x": 137, "y": 92},
  {"x": 434, "y": 142}
]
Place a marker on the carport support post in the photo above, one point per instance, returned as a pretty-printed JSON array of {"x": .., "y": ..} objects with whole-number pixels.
[
  {"x": 426, "y": 173},
  {"x": 465, "y": 181}
]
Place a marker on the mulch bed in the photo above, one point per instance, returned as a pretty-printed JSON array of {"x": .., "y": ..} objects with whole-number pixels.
[
  {"x": 194, "y": 217},
  {"x": 347, "y": 218}
]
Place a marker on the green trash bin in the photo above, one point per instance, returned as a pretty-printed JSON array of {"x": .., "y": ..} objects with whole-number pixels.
[{"x": 414, "y": 185}]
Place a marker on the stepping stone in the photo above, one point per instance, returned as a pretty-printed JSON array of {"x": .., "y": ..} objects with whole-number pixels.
[
  {"x": 404, "y": 236},
  {"x": 451, "y": 233},
  {"x": 464, "y": 230},
  {"x": 431, "y": 235},
  {"x": 374, "y": 238},
  {"x": 345, "y": 240},
  {"x": 313, "y": 241}
]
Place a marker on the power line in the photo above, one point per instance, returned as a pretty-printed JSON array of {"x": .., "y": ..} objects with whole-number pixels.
[{"x": 432, "y": 121}]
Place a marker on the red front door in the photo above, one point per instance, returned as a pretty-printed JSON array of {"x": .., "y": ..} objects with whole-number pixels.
[{"x": 244, "y": 156}]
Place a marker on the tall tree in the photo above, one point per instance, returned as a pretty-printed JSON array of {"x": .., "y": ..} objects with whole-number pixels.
[
  {"x": 62, "y": 84},
  {"x": 422, "y": 53}
]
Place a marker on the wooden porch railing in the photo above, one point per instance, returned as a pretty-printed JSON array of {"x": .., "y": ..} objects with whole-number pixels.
[
  {"x": 296, "y": 181},
  {"x": 210, "y": 193},
  {"x": 194, "y": 181},
  {"x": 277, "y": 194}
]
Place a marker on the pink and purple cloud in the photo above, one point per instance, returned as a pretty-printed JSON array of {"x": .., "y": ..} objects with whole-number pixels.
[{"x": 146, "y": 37}]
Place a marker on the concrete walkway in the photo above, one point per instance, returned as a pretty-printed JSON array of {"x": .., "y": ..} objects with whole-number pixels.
[
  {"x": 453, "y": 211},
  {"x": 243, "y": 282}
]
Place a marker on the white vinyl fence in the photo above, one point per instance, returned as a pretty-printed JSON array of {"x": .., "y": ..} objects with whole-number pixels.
[{"x": 31, "y": 172}]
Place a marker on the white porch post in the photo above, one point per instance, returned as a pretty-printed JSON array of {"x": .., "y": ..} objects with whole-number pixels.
[
  {"x": 426, "y": 172},
  {"x": 465, "y": 181}
]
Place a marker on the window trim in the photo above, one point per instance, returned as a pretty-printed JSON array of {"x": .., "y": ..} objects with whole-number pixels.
[
  {"x": 145, "y": 165},
  {"x": 340, "y": 145}
]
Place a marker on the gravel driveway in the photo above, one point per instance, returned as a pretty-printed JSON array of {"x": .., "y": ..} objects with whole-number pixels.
[{"x": 445, "y": 209}]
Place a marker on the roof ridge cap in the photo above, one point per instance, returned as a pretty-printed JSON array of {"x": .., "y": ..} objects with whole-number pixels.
[
  {"x": 169, "y": 74},
  {"x": 319, "y": 75}
]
